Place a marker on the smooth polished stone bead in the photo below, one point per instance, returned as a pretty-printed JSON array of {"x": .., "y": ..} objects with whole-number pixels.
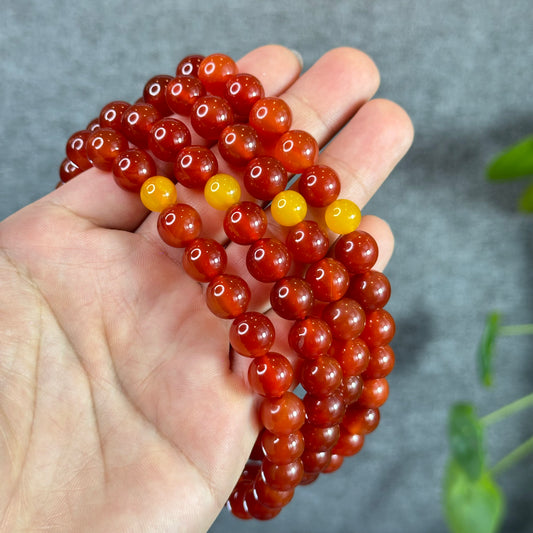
[
  {"x": 310, "y": 337},
  {"x": 222, "y": 191},
  {"x": 270, "y": 375},
  {"x": 76, "y": 149},
  {"x": 236, "y": 504},
  {"x": 282, "y": 476},
  {"x": 381, "y": 363},
  {"x": 288, "y": 208},
  {"x": 291, "y": 298},
  {"x": 271, "y": 117},
  {"x": 270, "y": 497},
  {"x": 348, "y": 444},
  {"x": 375, "y": 393},
  {"x": 204, "y": 259},
  {"x": 379, "y": 328},
  {"x": 179, "y": 224},
  {"x": 214, "y": 72},
  {"x": 321, "y": 376},
  {"x": 252, "y": 334},
  {"x": 357, "y": 251},
  {"x": 320, "y": 439},
  {"x": 335, "y": 462},
  {"x": 132, "y": 168},
  {"x": 93, "y": 125},
  {"x": 324, "y": 410},
  {"x": 111, "y": 114},
  {"x": 245, "y": 223},
  {"x": 328, "y": 278},
  {"x": 319, "y": 185},
  {"x": 282, "y": 415},
  {"x": 68, "y": 170},
  {"x": 210, "y": 115},
  {"x": 168, "y": 137},
  {"x": 159, "y": 193},
  {"x": 351, "y": 388},
  {"x": 352, "y": 355},
  {"x": 282, "y": 449},
  {"x": 137, "y": 121},
  {"x": 315, "y": 462},
  {"x": 194, "y": 166},
  {"x": 307, "y": 242},
  {"x": 242, "y": 92},
  {"x": 188, "y": 66},
  {"x": 268, "y": 260},
  {"x": 361, "y": 420},
  {"x": 103, "y": 145},
  {"x": 238, "y": 144},
  {"x": 154, "y": 93},
  {"x": 264, "y": 177},
  {"x": 342, "y": 216},
  {"x": 257, "y": 509},
  {"x": 227, "y": 296},
  {"x": 345, "y": 317},
  {"x": 296, "y": 150},
  {"x": 182, "y": 92},
  {"x": 371, "y": 289}
]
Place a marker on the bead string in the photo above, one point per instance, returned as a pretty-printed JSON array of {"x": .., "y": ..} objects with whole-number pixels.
[{"x": 340, "y": 331}]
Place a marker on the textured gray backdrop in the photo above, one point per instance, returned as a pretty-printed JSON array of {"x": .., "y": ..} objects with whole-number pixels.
[{"x": 463, "y": 72}]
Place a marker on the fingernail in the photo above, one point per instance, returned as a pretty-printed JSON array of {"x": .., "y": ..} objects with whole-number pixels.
[{"x": 298, "y": 57}]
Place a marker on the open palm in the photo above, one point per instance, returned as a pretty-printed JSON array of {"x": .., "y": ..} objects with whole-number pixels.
[{"x": 119, "y": 408}]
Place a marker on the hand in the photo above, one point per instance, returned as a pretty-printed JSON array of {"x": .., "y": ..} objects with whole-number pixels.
[{"x": 118, "y": 407}]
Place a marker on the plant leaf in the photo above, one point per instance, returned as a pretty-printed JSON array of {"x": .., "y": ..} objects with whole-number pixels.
[
  {"x": 526, "y": 200},
  {"x": 466, "y": 439},
  {"x": 487, "y": 346},
  {"x": 514, "y": 162},
  {"x": 472, "y": 506}
]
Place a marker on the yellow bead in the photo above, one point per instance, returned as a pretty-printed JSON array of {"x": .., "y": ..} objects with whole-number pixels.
[
  {"x": 288, "y": 208},
  {"x": 222, "y": 191},
  {"x": 342, "y": 216},
  {"x": 158, "y": 193}
]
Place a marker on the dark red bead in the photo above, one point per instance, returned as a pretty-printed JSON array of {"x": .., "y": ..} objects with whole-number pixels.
[
  {"x": 270, "y": 375},
  {"x": 361, "y": 420},
  {"x": 271, "y": 117},
  {"x": 291, "y": 298},
  {"x": 321, "y": 376},
  {"x": 352, "y": 355},
  {"x": 371, "y": 289},
  {"x": 320, "y": 439},
  {"x": 242, "y": 92},
  {"x": 215, "y": 71},
  {"x": 379, "y": 329},
  {"x": 236, "y": 503},
  {"x": 315, "y": 462},
  {"x": 351, "y": 388},
  {"x": 137, "y": 121},
  {"x": 335, "y": 463},
  {"x": 282, "y": 449},
  {"x": 93, "y": 125},
  {"x": 282, "y": 476},
  {"x": 257, "y": 509},
  {"x": 328, "y": 279},
  {"x": 238, "y": 144},
  {"x": 154, "y": 93},
  {"x": 265, "y": 177},
  {"x": 308, "y": 478},
  {"x": 270, "y": 497},
  {"x": 375, "y": 393},
  {"x": 282, "y": 415},
  {"x": 188, "y": 66},
  {"x": 111, "y": 114},
  {"x": 252, "y": 334},
  {"x": 268, "y": 260},
  {"x": 168, "y": 137},
  {"x": 307, "y": 242},
  {"x": 203, "y": 259},
  {"x": 245, "y": 223},
  {"x": 319, "y": 185},
  {"x": 227, "y": 296},
  {"x": 194, "y": 166},
  {"x": 348, "y": 444},
  {"x": 297, "y": 150},
  {"x": 210, "y": 115},
  {"x": 182, "y": 92},
  {"x": 381, "y": 363},
  {"x": 76, "y": 149},
  {"x": 310, "y": 337},
  {"x": 68, "y": 170},
  {"x": 345, "y": 317},
  {"x": 103, "y": 145},
  {"x": 357, "y": 251},
  {"x": 178, "y": 225},
  {"x": 324, "y": 411},
  {"x": 132, "y": 168}
]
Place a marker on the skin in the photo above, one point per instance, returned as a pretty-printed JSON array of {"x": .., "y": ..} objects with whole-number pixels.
[{"x": 117, "y": 411}]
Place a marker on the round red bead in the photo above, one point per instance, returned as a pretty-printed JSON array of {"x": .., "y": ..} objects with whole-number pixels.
[
  {"x": 282, "y": 476},
  {"x": 328, "y": 279},
  {"x": 167, "y": 137},
  {"x": 182, "y": 92},
  {"x": 210, "y": 115},
  {"x": 320, "y": 439},
  {"x": 238, "y": 144},
  {"x": 76, "y": 149},
  {"x": 315, "y": 462},
  {"x": 375, "y": 393},
  {"x": 371, "y": 289},
  {"x": 282, "y": 415},
  {"x": 351, "y": 388},
  {"x": 270, "y": 375},
  {"x": 271, "y": 117},
  {"x": 194, "y": 166},
  {"x": 236, "y": 502},
  {"x": 68, "y": 170},
  {"x": 357, "y": 251},
  {"x": 282, "y": 449},
  {"x": 335, "y": 463},
  {"x": 270, "y": 497},
  {"x": 352, "y": 355},
  {"x": 291, "y": 298},
  {"x": 132, "y": 168},
  {"x": 321, "y": 376},
  {"x": 203, "y": 259},
  {"x": 296, "y": 150},
  {"x": 214, "y": 72},
  {"x": 103, "y": 145},
  {"x": 268, "y": 260},
  {"x": 111, "y": 115},
  {"x": 307, "y": 242},
  {"x": 242, "y": 92},
  {"x": 345, "y": 317},
  {"x": 179, "y": 224},
  {"x": 137, "y": 121},
  {"x": 188, "y": 66},
  {"x": 252, "y": 334},
  {"x": 381, "y": 363},
  {"x": 257, "y": 509},
  {"x": 265, "y": 177},
  {"x": 348, "y": 444},
  {"x": 319, "y": 185},
  {"x": 361, "y": 420},
  {"x": 245, "y": 223},
  {"x": 310, "y": 337},
  {"x": 154, "y": 93},
  {"x": 379, "y": 328},
  {"x": 324, "y": 410},
  {"x": 227, "y": 296}
]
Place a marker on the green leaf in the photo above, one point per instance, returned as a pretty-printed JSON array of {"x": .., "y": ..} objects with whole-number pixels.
[
  {"x": 515, "y": 162},
  {"x": 487, "y": 345},
  {"x": 472, "y": 506},
  {"x": 526, "y": 200},
  {"x": 466, "y": 439}
]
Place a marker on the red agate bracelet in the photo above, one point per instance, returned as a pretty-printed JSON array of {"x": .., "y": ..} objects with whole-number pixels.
[{"x": 340, "y": 333}]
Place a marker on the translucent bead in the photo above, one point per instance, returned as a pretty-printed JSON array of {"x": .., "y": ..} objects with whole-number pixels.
[
  {"x": 342, "y": 216},
  {"x": 137, "y": 121},
  {"x": 361, "y": 420},
  {"x": 204, "y": 259},
  {"x": 379, "y": 328},
  {"x": 188, "y": 66},
  {"x": 245, "y": 223},
  {"x": 76, "y": 149},
  {"x": 68, "y": 170},
  {"x": 345, "y": 317},
  {"x": 381, "y": 363},
  {"x": 265, "y": 177},
  {"x": 194, "y": 166},
  {"x": 319, "y": 185},
  {"x": 269, "y": 497},
  {"x": 307, "y": 242},
  {"x": 352, "y": 355},
  {"x": 282, "y": 415},
  {"x": 335, "y": 463},
  {"x": 167, "y": 137},
  {"x": 242, "y": 92},
  {"x": 238, "y": 144},
  {"x": 375, "y": 393},
  {"x": 296, "y": 150},
  {"x": 288, "y": 208},
  {"x": 320, "y": 376},
  {"x": 210, "y": 115},
  {"x": 222, "y": 191},
  {"x": 252, "y": 334},
  {"x": 214, "y": 72},
  {"x": 348, "y": 444},
  {"x": 236, "y": 503},
  {"x": 291, "y": 298},
  {"x": 111, "y": 114},
  {"x": 371, "y": 289},
  {"x": 154, "y": 93},
  {"x": 324, "y": 411},
  {"x": 257, "y": 509},
  {"x": 270, "y": 375},
  {"x": 310, "y": 337},
  {"x": 132, "y": 168},
  {"x": 103, "y": 145},
  {"x": 282, "y": 449},
  {"x": 282, "y": 477},
  {"x": 158, "y": 193},
  {"x": 268, "y": 260},
  {"x": 179, "y": 224},
  {"x": 351, "y": 388},
  {"x": 227, "y": 296},
  {"x": 328, "y": 279},
  {"x": 315, "y": 462},
  {"x": 94, "y": 124},
  {"x": 270, "y": 117},
  {"x": 357, "y": 251},
  {"x": 182, "y": 92},
  {"x": 320, "y": 439}
]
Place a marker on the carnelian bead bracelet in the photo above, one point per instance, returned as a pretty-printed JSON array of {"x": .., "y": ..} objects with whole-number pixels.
[{"x": 333, "y": 300}]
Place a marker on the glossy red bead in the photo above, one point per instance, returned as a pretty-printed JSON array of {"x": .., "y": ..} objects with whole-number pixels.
[
  {"x": 297, "y": 150},
  {"x": 352, "y": 355},
  {"x": 320, "y": 439},
  {"x": 321, "y": 376},
  {"x": 194, "y": 166},
  {"x": 214, "y": 72},
  {"x": 270, "y": 497},
  {"x": 111, "y": 114},
  {"x": 361, "y": 420},
  {"x": 309, "y": 477},
  {"x": 252, "y": 334},
  {"x": 178, "y": 225},
  {"x": 182, "y": 92},
  {"x": 188, "y": 66},
  {"x": 257, "y": 509},
  {"x": 238, "y": 144},
  {"x": 282, "y": 449},
  {"x": 345, "y": 318},
  {"x": 282, "y": 415},
  {"x": 307, "y": 242},
  {"x": 242, "y": 92},
  {"x": 137, "y": 121},
  {"x": 204, "y": 259},
  {"x": 328, "y": 279},
  {"x": 132, "y": 168},
  {"x": 335, "y": 462},
  {"x": 319, "y": 185},
  {"x": 315, "y": 462},
  {"x": 168, "y": 137},
  {"x": 379, "y": 328},
  {"x": 357, "y": 251},
  {"x": 371, "y": 289},
  {"x": 324, "y": 411},
  {"x": 210, "y": 115},
  {"x": 264, "y": 177},
  {"x": 93, "y": 125},
  {"x": 282, "y": 476},
  {"x": 381, "y": 363},
  {"x": 227, "y": 296},
  {"x": 245, "y": 223},
  {"x": 103, "y": 145},
  {"x": 351, "y": 388},
  {"x": 268, "y": 260},
  {"x": 291, "y": 298},
  {"x": 310, "y": 337},
  {"x": 76, "y": 149},
  {"x": 68, "y": 170},
  {"x": 154, "y": 93},
  {"x": 270, "y": 375},
  {"x": 348, "y": 444},
  {"x": 271, "y": 117},
  {"x": 236, "y": 502},
  {"x": 375, "y": 393}
]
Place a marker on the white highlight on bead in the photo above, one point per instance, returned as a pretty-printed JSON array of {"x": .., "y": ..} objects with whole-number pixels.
[
  {"x": 262, "y": 112},
  {"x": 236, "y": 217},
  {"x": 311, "y": 180},
  {"x": 186, "y": 161},
  {"x": 282, "y": 203},
  {"x": 150, "y": 188},
  {"x": 336, "y": 211},
  {"x": 234, "y": 88},
  {"x": 287, "y": 146},
  {"x": 321, "y": 273},
  {"x": 219, "y": 290},
  {"x": 170, "y": 218},
  {"x": 259, "y": 254},
  {"x": 77, "y": 144},
  {"x": 230, "y": 138},
  {"x": 110, "y": 115},
  {"x": 256, "y": 171},
  {"x": 124, "y": 164},
  {"x": 299, "y": 236},
  {"x": 98, "y": 142},
  {"x": 214, "y": 186},
  {"x": 202, "y": 110},
  {"x": 349, "y": 246},
  {"x": 243, "y": 328},
  {"x": 176, "y": 89},
  {"x": 283, "y": 292},
  {"x": 209, "y": 68},
  {"x": 133, "y": 118},
  {"x": 160, "y": 133},
  {"x": 196, "y": 253},
  {"x": 187, "y": 69},
  {"x": 154, "y": 89}
]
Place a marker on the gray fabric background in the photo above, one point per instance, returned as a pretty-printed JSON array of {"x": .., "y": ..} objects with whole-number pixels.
[{"x": 463, "y": 72}]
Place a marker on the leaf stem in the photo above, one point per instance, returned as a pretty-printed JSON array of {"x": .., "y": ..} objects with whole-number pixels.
[
  {"x": 508, "y": 410},
  {"x": 513, "y": 457},
  {"x": 517, "y": 329}
]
